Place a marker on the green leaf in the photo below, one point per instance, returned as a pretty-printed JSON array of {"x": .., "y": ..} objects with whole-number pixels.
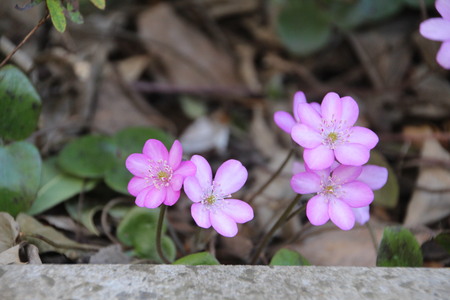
[
  {"x": 57, "y": 186},
  {"x": 20, "y": 104},
  {"x": 86, "y": 215},
  {"x": 99, "y": 3},
  {"x": 128, "y": 141},
  {"x": 302, "y": 27},
  {"x": 20, "y": 175},
  {"x": 388, "y": 195},
  {"x": 57, "y": 14},
  {"x": 89, "y": 156},
  {"x": 138, "y": 230},
  {"x": 136, "y": 217},
  {"x": 399, "y": 248},
  {"x": 196, "y": 259},
  {"x": 31, "y": 228},
  {"x": 74, "y": 14},
  {"x": 443, "y": 239},
  {"x": 286, "y": 257}
]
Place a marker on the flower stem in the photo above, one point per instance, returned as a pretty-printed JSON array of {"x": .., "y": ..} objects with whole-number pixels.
[
  {"x": 372, "y": 236},
  {"x": 272, "y": 178},
  {"x": 25, "y": 39},
  {"x": 281, "y": 220},
  {"x": 162, "y": 211}
]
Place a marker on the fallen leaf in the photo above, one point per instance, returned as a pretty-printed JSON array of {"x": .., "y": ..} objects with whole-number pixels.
[
  {"x": 188, "y": 56},
  {"x": 9, "y": 230},
  {"x": 10, "y": 256},
  {"x": 427, "y": 204}
]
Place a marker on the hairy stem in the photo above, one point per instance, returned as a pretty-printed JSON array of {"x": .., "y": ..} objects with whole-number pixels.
[
  {"x": 162, "y": 211},
  {"x": 272, "y": 178},
  {"x": 281, "y": 220},
  {"x": 25, "y": 39},
  {"x": 372, "y": 236}
]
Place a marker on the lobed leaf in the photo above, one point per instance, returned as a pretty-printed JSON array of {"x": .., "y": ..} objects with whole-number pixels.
[
  {"x": 196, "y": 259},
  {"x": 286, "y": 257}
]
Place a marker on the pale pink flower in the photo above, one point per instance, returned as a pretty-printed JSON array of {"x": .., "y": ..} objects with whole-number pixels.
[
  {"x": 329, "y": 134},
  {"x": 438, "y": 29},
  {"x": 158, "y": 174},
  {"x": 337, "y": 192},
  {"x": 211, "y": 206}
]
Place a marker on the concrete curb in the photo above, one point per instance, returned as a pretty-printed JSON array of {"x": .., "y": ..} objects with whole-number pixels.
[{"x": 220, "y": 282}]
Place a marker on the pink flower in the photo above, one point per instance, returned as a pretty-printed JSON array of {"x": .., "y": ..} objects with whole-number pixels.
[
  {"x": 285, "y": 120},
  {"x": 209, "y": 196},
  {"x": 438, "y": 29},
  {"x": 158, "y": 174},
  {"x": 337, "y": 192},
  {"x": 329, "y": 134},
  {"x": 375, "y": 177}
]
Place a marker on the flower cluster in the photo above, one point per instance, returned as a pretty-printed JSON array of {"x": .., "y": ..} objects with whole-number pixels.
[
  {"x": 159, "y": 176},
  {"x": 334, "y": 153}
]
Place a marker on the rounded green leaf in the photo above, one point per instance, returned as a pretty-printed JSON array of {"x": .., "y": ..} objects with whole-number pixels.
[
  {"x": 86, "y": 214},
  {"x": 302, "y": 27},
  {"x": 57, "y": 186},
  {"x": 399, "y": 248},
  {"x": 57, "y": 14},
  {"x": 286, "y": 257},
  {"x": 136, "y": 217},
  {"x": 443, "y": 239},
  {"x": 20, "y": 104},
  {"x": 89, "y": 156},
  {"x": 196, "y": 259},
  {"x": 144, "y": 243},
  {"x": 20, "y": 175}
]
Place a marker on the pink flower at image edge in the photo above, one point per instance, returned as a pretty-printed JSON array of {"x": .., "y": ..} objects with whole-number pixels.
[
  {"x": 158, "y": 174},
  {"x": 438, "y": 29},
  {"x": 211, "y": 205}
]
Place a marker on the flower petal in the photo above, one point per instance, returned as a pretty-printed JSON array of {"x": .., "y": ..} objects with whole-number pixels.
[
  {"x": 363, "y": 136},
  {"x": 223, "y": 224},
  {"x": 201, "y": 215},
  {"x": 305, "y": 136},
  {"x": 305, "y": 183},
  {"x": 171, "y": 196},
  {"x": 316, "y": 107},
  {"x": 193, "y": 189},
  {"x": 352, "y": 154},
  {"x": 155, "y": 150},
  {"x": 142, "y": 196},
  {"x": 436, "y": 29},
  {"x": 175, "y": 154},
  {"x": 443, "y": 7},
  {"x": 443, "y": 55},
  {"x": 299, "y": 97},
  {"x": 309, "y": 116},
  {"x": 374, "y": 176},
  {"x": 317, "y": 210},
  {"x": 350, "y": 111},
  {"x": 137, "y": 164},
  {"x": 137, "y": 184},
  {"x": 344, "y": 174},
  {"x": 204, "y": 173},
  {"x": 362, "y": 214},
  {"x": 231, "y": 176},
  {"x": 185, "y": 169},
  {"x": 318, "y": 158},
  {"x": 331, "y": 107},
  {"x": 356, "y": 194},
  {"x": 284, "y": 120},
  {"x": 238, "y": 210},
  {"x": 341, "y": 214},
  {"x": 155, "y": 197},
  {"x": 176, "y": 183}
]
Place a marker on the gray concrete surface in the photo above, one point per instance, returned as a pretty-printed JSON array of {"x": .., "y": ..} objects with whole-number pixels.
[{"x": 220, "y": 282}]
